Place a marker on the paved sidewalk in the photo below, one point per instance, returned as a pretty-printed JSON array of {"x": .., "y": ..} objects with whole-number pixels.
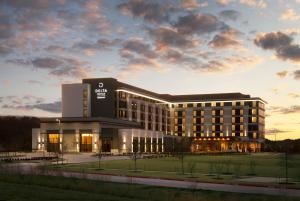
[
  {"x": 182, "y": 184},
  {"x": 31, "y": 168}
]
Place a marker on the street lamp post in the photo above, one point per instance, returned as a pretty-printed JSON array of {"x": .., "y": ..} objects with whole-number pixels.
[{"x": 60, "y": 145}]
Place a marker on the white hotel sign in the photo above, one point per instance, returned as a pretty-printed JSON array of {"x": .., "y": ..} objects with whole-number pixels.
[{"x": 100, "y": 92}]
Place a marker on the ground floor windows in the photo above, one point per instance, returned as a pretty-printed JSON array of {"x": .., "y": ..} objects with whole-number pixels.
[
  {"x": 53, "y": 142},
  {"x": 86, "y": 142},
  {"x": 106, "y": 144},
  {"x": 225, "y": 146}
]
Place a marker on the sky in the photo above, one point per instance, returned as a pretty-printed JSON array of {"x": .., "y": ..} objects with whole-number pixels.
[{"x": 175, "y": 47}]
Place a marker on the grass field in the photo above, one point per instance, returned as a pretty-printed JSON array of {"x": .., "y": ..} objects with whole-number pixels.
[
  {"x": 36, "y": 188},
  {"x": 200, "y": 167}
]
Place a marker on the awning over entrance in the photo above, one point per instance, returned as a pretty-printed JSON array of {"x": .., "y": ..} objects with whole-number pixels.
[{"x": 103, "y": 121}]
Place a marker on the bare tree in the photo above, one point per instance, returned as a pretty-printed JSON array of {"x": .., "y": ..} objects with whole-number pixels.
[
  {"x": 135, "y": 153},
  {"x": 99, "y": 154},
  {"x": 191, "y": 167}
]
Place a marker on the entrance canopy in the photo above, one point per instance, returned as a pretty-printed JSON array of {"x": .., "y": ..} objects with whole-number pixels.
[{"x": 103, "y": 121}]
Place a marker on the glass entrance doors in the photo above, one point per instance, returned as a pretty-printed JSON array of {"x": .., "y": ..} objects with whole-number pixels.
[
  {"x": 53, "y": 143},
  {"x": 86, "y": 142}
]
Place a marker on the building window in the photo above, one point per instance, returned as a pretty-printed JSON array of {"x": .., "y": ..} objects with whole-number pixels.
[
  {"x": 53, "y": 138},
  {"x": 85, "y": 93}
]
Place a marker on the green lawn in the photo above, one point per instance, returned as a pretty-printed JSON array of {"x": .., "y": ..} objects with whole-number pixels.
[
  {"x": 229, "y": 167},
  {"x": 36, "y": 188}
]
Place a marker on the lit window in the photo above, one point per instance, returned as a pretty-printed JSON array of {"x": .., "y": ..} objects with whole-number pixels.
[
  {"x": 213, "y": 104},
  {"x": 85, "y": 93},
  {"x": 241, "y": 112},
  {"x": 221, "y": 112},
  {"x": 233, "y": 120},
  {"x": 233, "y": 112},
  {"x": 222, "y": 104},
  {"x": 253, "y": 119},
  {"x": 242, "y": 119},
  {"x": 254, "y": 135},
  {"x": 213, "y": 112},
  {"x": 213, "y": 120},
  {"x": 53, "y": 138}
]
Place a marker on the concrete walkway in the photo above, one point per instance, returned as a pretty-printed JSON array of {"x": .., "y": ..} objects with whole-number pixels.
[
  {"x": 32, "y": 168},
  {"x": 183, "y": 184},
  {"x": 167, "y": 182}
]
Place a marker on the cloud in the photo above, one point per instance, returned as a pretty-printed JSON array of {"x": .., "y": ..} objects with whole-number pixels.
[
  {"x": 282, "y": 74},
  {"x": 29, "y": 102},
  {"x": 273, "y": 40},
  {"x": 289, "y": 14},
  {"x": 34, "y": 82},
  {"x": 192, "y": 4},
  {"x": 90, "y": 18},
  {"x": 285, "y": 110},
  {"x": 90, "y": 48},
  {"x": 137, "y": 46},
  {"x": 4, "y": 49},
  {"x": 226, "y": 39},
  {"x": 254, "y": 3},
  {"x": 165, "y": 37},
  {"x": 281, "y": 43},
  {"x": 294, "y": 95},
  {"x": 274, "y": 131},
  {"x": 147, "y": 10},
  {"x": 55, "y": 49},
  {"x": 197, "y": 23},
  {"x": 57, "y": 66},
  {"x": 289, "y": 52},
  {"x": 296, "y": 74},
  {"x": 54, "y": 107},
  {"x": 6, "y": 26},
  {"x": 230, "y": 14},
  {"x": 226, "y": 64},
  {"x": 223, "y": 2}
]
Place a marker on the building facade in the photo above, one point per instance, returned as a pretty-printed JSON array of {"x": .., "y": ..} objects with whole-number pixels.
[{"x": 111, "y": 116}]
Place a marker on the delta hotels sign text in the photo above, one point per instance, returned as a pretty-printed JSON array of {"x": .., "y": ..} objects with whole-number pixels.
[{"x": 100, "y": 92}]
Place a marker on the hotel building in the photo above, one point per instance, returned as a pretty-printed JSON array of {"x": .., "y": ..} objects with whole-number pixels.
[{"x": 111, "y": 116}]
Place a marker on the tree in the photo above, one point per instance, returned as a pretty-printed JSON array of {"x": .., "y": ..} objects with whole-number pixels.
[
  {"x": 99, "y": 153},
  {"x": 135, "y": 152},
  {"x": 191, "y": 167},
  {"x": 183, "y": 146}
]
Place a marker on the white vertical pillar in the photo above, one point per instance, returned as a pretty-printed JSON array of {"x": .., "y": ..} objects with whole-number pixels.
[
  {"x": 60, "y": 138},
  {"x": 145, "y": 144},
  {"x": 162, "y": 143},
  {"x": 139, "y": 144},
  {"x": 156, "y": 142},
  {"x": 151, "y": 145},
  {"x": 77, "y": 135},
  {"x": 131, "y": 140}
]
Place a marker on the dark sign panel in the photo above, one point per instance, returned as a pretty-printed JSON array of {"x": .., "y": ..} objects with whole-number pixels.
[{"x": 102, "y": 96}]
